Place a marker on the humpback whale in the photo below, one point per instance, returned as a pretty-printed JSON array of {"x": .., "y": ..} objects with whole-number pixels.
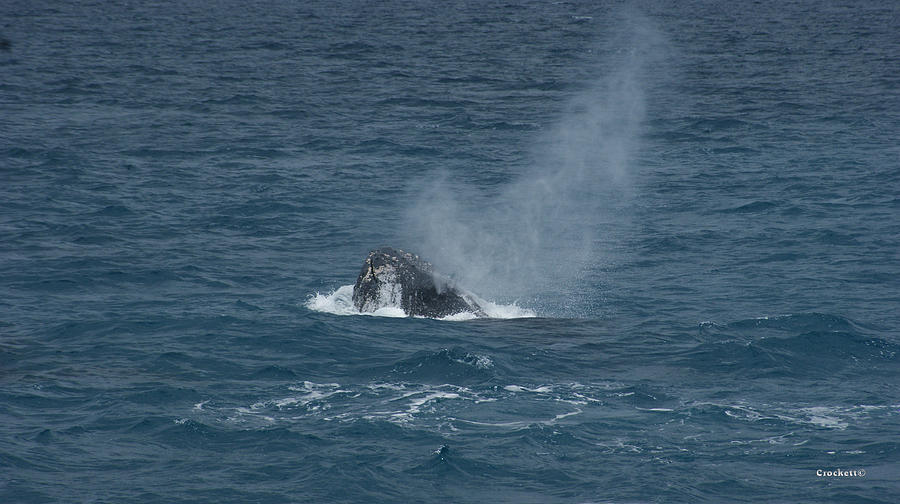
[{"x": 392, "y": 277}]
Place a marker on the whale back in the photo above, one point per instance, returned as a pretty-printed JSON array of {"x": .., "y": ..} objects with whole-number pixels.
[{"x": 392, "y": 277}]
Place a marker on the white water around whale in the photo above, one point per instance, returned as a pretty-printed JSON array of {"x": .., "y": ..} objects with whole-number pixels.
[{"x": 340, "y": 302}]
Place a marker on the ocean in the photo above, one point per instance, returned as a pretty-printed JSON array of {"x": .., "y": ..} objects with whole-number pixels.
[{"x": 685, "y": 216}]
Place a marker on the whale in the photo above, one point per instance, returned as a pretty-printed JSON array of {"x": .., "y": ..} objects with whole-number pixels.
[{"x": 393, "y": 277}]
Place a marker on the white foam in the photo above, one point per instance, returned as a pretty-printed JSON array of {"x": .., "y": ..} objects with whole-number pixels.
[
  {"x": 310, "y": 393},
  {"x": 538, "y": 390},
  {"x": 826, "y": 417},
  {"x": 445, "y": 407},
  {"x": 565, "y": 415},
  {"x": 481, "y": 361},
  {"x": 514, "y": 424},
  {"x": 457, "y": 317},
  {"x": 340, "y": 302},
  {"x": 416, "y": 404}
]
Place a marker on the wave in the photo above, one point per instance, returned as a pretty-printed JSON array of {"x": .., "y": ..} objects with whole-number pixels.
[
  {"x": 837, "y": 417},
  {"x": 445, "y": 407},
  {"x": 340, "y": 302},
  {"x": 803, "y": 344},
  {"x": 509, "y": 406},
  {"x": 446, "y": 366},
  {"x": 779, "y": 325}
]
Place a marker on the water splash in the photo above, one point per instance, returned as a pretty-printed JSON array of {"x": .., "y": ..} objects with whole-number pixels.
[{"x": 340, "y": 302}]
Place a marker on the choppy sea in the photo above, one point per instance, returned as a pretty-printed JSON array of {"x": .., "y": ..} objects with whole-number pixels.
[{"x": 685, "y": 214}]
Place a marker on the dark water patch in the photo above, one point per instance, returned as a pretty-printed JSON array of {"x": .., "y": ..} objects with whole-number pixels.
[
  {"x": 17, "y": 490},
  {"x": 752, "y": 207},
  {"x": 794, "y": 211},
  {"x": 424, "y": 103},
  {"x": 237, "y": 99},
  {"x": 508, "y": 126},
  {"x": 154, "y": 153},
  {"x": 471, "y": 79},
  {"x": 662, "y": 132},
  {"x": 153, "y": 70},
  {"x": 171, "y": 363},
  {"x": 113, "y": 211},
  {"x": 292, "y": 113},
  {"x": 266, "y": 45},
  {"x": 96, "y": 238},
  {"x": 60, "y": 285},
  {"x": 872, "y": 277},
  {"x": 384, "y": 146},
  {"x": 72, "y": 85},
  {"x": 74, "y": 431},
  {"x": 733, "y": 150},
  {"x": 350, "y": 50},
  {"x": 79, "y": 330},
  {"x": 263, "y": 152},
  {"x": 831, "y": 237},
  {"x": 247, "y": 306},
  {"x": 533, "y": 84},
  {"x": 193, "y": 434},
  {"x": 41, "y": 401},
  {"x": 719, "y": 124},
  {"x": 450, "y": 463},
  {"x": 785, "y": 105},
  {"x": 375, "y": 435},
  {"x": 666, "y": 245},
  {"x": 46, "y": 436},
  {"x": 190, "y": 367},
  {"x": 274, "y": 373},
  {"x": 162, "y": 395},
  {"x": 839, "y": 347}
]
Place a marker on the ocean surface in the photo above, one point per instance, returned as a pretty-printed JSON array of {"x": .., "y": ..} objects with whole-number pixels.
[{"x": 685, "y": 214}]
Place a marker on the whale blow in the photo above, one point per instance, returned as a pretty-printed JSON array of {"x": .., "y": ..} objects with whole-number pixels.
[{"x": 391, "y": 277}]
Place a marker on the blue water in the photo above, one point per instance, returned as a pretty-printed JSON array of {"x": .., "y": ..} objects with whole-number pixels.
[{"x": 699, "y": 202}]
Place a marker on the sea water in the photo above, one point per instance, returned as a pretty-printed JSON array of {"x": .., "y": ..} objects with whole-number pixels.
[{"x": 685, "y": 216}]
